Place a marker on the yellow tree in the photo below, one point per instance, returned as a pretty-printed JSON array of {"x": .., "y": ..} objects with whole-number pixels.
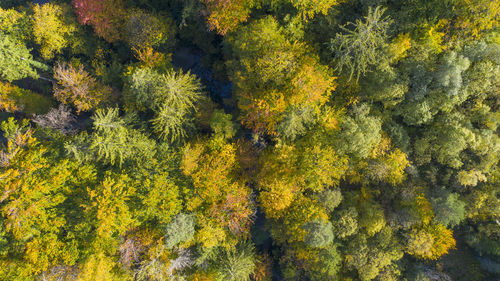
[
  {"x": 430, "y": 242},
  {"x": 33, "y": 188},
  {"x": 75, "y": 86},
  {"x": 51, "y": 28},
  {"x": 474, "y": 17},
  {"x": 225, "y": 15},
  {"x": 222, "y": 204},
  {"x": 272, "y": 76},
  {"x": 13, "y": 98}
]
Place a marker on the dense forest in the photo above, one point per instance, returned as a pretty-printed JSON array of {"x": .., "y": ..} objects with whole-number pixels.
[{"x": 198, "y": 140}]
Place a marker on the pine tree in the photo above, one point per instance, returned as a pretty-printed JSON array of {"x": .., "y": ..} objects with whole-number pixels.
[
  {"x": 16, "y": 61},
  {"x": 358, "y": 49}
]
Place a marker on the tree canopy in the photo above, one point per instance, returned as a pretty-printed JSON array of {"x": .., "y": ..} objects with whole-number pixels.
[{"x": 249, "y": 140}]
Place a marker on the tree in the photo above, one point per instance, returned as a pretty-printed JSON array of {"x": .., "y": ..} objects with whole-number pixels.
[
  {"x": 75, "y": 86},
  {"x": 32, "y": 194},
  {"x": 324, "y": 265},
  {"x": 475, "y": 17},
  {"x": 221, "y": 125},
  {"x": 51, "y": 28},
  {"x": 356, "y": 50},
  {"x": 106, "y": 17},
  {"x": 60, "y": 119},
  {"x": 319, "y": 235},
  {"x": 360, "y": 133},
  {"x": 449, "y": 209},
  {"x": 107, "y": 208},
  {"x": 430, "y": 242},
  {"x": 309, "y": 8},
  {"x": 99, "y": 267},
  {"x": 450, "y": 72},
  {"x": 113, "y": 141},
  {"x": 13, "y": 98},
  {"x": 295, "y": 122},
  {"x": 16, "y": 24},
  {"x": 272, "y": 76},
  {"x": 371, "y": 218},
  {"x": 371, "y": 256},
  {"x": 330, "y": 199},
  {"x": 143, "y": 30},
  {"x": 345, "y": 223},
  {"x": 180, "y": 229},
  {"x": 225, "y": 16},
  {"x": 236, "y": 263},
  {"x": 172, "y": 96},
  {"x": 223, "y": 206},
  {"x": 276, "y": 196},
  {"x": 16, "y": 61},
  {"x": 160, "y": 198}
]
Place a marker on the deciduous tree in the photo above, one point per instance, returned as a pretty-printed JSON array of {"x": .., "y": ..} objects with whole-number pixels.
[{"x": 77, "y": 87}]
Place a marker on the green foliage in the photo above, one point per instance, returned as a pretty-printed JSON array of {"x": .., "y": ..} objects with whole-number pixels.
[
  {"x": 345, "y": 223},
  {"x": 449, "y": 209},
  {"x": 358, "y": 49},
  {"x": 276, "y": 80},
  {"x": 15, "y": 23},
  {"x": 173, "y": 98},
  {"x": 222, "y": 125},
  {"x": 368, "y": 176},
  {"x": 113, "y": 141},
  {"x": 371, "y": 218},
  {"x": 330, "y": 199},
  {"x": 360, "y": 133},
  {"x": 16, "y": 61},
  {"x": 328, "y": 265},
  {"x": 236, "y": 263},
  {"x": 371, "y": 256},
  {"x": 160, "y": 199},
  {"x": 449, "y": 74},
  {"x": 295, "y": 122},
  {"x": 319, "y": 234},
  {"x": 144, "y": 30},
  {"x": 180, "y": 229}
]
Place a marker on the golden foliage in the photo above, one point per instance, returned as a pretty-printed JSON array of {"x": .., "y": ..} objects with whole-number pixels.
[{"x": 225, "y": 15}]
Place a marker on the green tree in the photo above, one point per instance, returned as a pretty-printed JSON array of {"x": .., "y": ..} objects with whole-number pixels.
[
  {"x": 16, "y": 61},
  {"x": 319, "y": 234},
  {"x": 272, "y": 76},
  {"x": 236, "y": 263},
  {"x": 360, "y": 132},
  {"x": 172, "y": 96},
  {"x": 358, "y": 49},
  {"x": 142, "y": 30},
  {"x": 180, "y": 229},
  {"x": 345, "y": 223},
  {"x": 449, "y": 209},
  {"x": 371, "y": 256},
  {"x": 330, "y": 199},
  {"x": 113, "y": 141},
  {"x": 295, "y": 122},
  {"x": 222, "y": 125},
  {"x": 16, "y": 24},
  {"x": 160, "y": 198}
]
